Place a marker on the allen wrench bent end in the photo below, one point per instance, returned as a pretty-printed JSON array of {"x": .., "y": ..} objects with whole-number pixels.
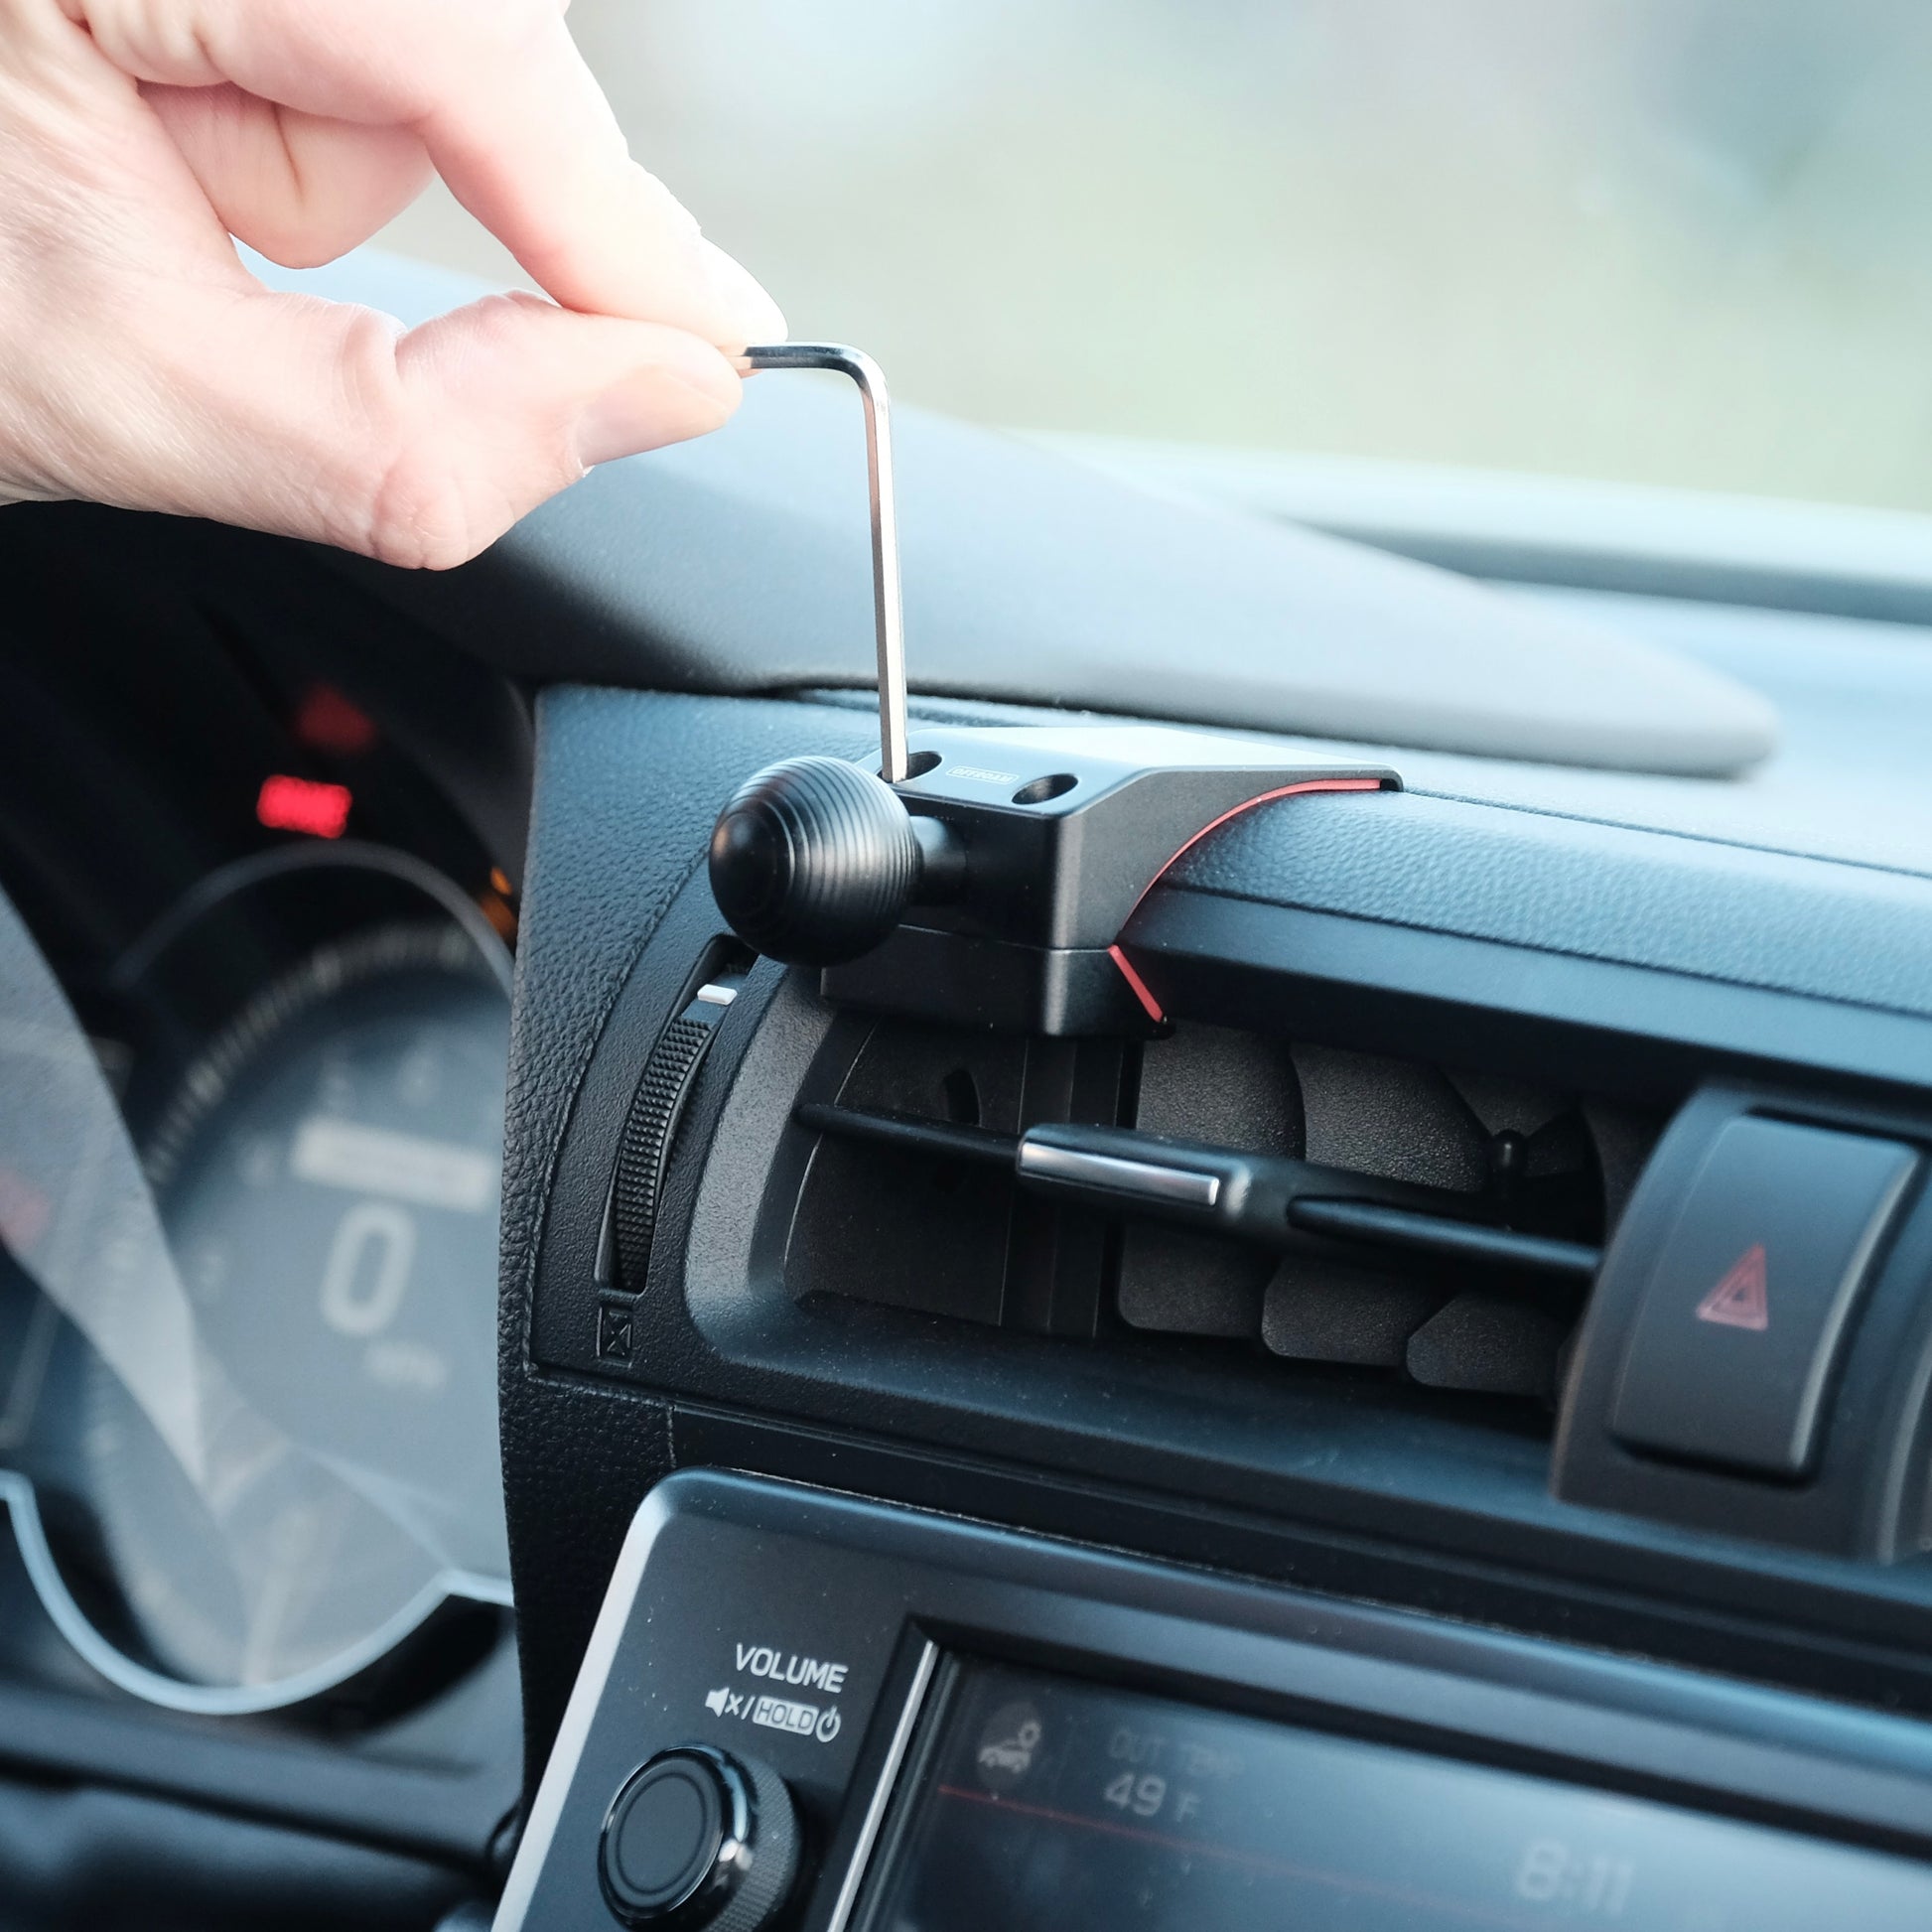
[{"x": 889, "y": 616}]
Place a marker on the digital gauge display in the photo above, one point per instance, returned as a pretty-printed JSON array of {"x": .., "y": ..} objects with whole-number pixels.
[
  {"x": 1050, "y": 1806},
  {"x": 327, "y": 1180}
]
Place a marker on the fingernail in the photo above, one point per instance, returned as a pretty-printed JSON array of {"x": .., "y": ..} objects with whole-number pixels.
[
  {"x": 646, "y": 410},
  {"x": 746, "y": 313}
]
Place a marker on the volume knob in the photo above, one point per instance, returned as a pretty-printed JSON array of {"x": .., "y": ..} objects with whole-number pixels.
[{"x": 699, "y": 1839}]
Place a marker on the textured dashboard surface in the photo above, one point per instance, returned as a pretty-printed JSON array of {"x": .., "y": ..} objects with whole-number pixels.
[
  {"x": 626, "y": 789},
  {"x": 1573, "y": 886}
]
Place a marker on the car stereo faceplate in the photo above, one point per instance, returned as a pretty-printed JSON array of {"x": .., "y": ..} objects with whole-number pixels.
[{"x": 804, "y": 1709}]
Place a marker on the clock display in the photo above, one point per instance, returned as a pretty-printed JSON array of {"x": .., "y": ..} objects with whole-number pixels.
[{"x": 1051, "y": 1806}]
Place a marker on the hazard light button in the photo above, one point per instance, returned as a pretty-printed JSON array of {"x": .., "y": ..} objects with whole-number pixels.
[{"x": 1740, "y": 1332}]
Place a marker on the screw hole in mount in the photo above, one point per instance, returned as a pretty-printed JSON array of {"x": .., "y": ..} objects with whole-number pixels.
[
  {"x": 1056, "y": 784},
  {"x": 918, "y": 763}
]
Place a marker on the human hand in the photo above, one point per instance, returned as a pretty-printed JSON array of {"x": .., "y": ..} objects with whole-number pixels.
[{"x": 142, "y": 365}]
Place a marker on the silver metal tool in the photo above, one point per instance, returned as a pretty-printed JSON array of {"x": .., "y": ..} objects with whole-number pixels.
[{"x": 888, "y": 614}]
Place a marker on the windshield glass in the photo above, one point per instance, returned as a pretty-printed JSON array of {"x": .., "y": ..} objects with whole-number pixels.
[{"x": 1676, "y": 241}]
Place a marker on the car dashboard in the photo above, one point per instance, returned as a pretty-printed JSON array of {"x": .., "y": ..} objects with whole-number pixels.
[
  {"x": 1527, "y": 1524},
  {"x": 257, "y": 1008}
]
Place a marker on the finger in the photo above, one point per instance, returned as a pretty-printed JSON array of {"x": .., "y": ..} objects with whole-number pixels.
[
  {"x": 527, "y": 142},
  {"x": 301, "y": 188},
  {"x": 509, "y": 113},
  {"x": 460, "y": 427},
  {"x": 317, "y": 420}
]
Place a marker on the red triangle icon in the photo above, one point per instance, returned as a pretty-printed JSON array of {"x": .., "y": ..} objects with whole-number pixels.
[{"x": 1740, "y": 1299}]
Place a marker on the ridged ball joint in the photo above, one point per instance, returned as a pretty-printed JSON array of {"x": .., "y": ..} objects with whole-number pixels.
[{"x": 814, "y": 861}]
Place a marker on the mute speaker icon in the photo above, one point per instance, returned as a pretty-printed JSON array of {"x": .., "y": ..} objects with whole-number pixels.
[{"x": 714, "y": 1701}]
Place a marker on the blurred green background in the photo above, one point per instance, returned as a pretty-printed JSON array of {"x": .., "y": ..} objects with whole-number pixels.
[{"x": 1682, "y": 241}]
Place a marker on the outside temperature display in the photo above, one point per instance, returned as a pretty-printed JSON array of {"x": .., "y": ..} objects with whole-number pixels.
[{"x": 1050, "y": 1806}]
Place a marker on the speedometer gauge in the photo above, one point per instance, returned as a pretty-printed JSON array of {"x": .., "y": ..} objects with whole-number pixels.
[{"x": 329, "y": 1177}]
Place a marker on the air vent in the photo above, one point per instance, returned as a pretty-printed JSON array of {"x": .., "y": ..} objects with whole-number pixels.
[{"x": 1220, "y": 1191}]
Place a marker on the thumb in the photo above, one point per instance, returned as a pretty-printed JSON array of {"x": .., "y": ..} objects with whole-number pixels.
[
  {"x": 319, "y": 420},
  {"x": 482, "y": 414}
]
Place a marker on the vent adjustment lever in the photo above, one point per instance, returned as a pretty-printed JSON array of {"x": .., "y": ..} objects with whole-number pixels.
[{"x": 1270, "y": 1199}]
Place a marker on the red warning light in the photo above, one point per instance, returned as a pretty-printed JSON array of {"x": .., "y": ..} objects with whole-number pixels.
[
  {"x": 288, "y": 805},
  {"x": 1740, "y": 1300},
  {"x": 326, "y": 721}
]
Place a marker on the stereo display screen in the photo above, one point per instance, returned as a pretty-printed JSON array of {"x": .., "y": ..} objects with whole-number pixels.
[{"x": 1047, "y": 1804}]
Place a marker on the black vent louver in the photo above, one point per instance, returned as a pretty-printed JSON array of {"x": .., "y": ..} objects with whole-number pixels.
[
  {"x": 1439, "y": 1227},
  {"x": 1527, "y": 1160}
]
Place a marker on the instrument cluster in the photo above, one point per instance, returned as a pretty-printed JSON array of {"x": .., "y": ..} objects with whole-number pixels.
[{"x": 254, "y": 1015}]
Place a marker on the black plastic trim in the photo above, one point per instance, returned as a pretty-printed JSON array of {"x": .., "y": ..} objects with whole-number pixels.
[
  {"x": 805, "y": 1567},
  {"x": 1610, "y": 1028}
]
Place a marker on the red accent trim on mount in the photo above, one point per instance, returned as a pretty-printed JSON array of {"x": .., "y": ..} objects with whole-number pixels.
[
  {"x": 1138, "y": 985},
  {"x": 1134, "y": 980}
]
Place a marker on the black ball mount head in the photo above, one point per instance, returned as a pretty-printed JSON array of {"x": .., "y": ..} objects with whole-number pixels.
[
  {"x": 983, "y": 876},
  {"x": 815, "y": 862}
]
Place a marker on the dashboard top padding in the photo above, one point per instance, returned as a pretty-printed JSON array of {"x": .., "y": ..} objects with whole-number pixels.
[{"x": 739, "y": 563}]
